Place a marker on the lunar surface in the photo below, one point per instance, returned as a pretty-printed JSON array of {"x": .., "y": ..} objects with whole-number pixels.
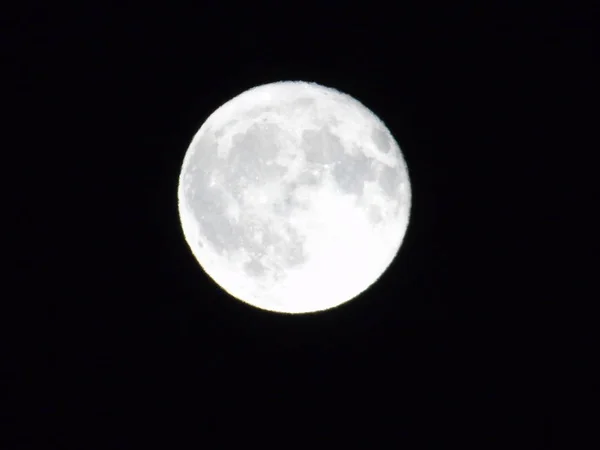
[{"x": 294, "y": 197}]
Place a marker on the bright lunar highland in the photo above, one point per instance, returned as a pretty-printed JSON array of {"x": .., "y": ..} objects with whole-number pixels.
[{"x": 294, "y": 197}]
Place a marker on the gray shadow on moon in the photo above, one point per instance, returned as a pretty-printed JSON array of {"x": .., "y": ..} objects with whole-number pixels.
[
  {"x": 382, "y": 139},
  {"x": 352, "y": 171},
  {"x": 374, "y": 213},
  {"x": 250, "y": 158},
  {"x": 390, "y": 179},
  {"x": 255, "y": 268},
  {"x": 322, "y": 146},
  {"x": 252, "y": 154}
]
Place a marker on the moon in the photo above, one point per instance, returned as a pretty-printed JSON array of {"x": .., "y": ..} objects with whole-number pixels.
[{"x": 294, "y": 197}]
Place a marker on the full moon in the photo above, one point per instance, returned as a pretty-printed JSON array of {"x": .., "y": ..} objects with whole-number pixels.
[{"x": 294, "y": 197}]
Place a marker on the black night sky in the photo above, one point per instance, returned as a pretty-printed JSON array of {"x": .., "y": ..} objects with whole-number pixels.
[{"x": 121, "y": 341}]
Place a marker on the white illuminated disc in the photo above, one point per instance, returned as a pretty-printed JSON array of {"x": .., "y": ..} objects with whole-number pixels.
[{"x": 294, "y": 197}]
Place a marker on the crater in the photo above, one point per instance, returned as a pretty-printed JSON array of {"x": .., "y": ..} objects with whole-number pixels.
[
  {"x": 255, "y": 268},
  {"x": 381, "y": 139},
  {"x": 374, "y": 213}
]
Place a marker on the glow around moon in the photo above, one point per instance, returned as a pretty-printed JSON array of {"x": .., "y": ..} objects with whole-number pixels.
[{"x": 294, "y": 197}]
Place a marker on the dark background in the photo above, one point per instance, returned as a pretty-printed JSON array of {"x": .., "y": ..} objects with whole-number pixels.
[{"x": 119, "y": 339}]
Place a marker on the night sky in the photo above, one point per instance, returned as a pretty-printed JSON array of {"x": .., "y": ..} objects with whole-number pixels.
[{"x": 122, "y": 341}]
